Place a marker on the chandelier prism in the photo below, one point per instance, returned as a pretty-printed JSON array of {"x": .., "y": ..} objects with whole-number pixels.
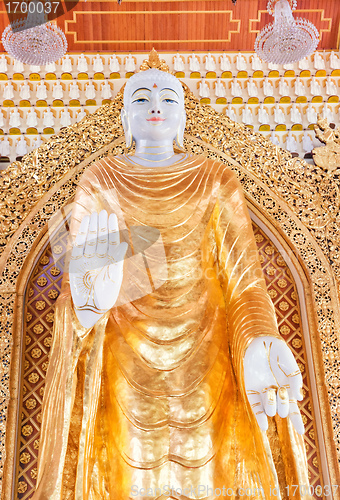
[
  {"x": 287, "y": 39},
  {"x": 34, "y": 41}
]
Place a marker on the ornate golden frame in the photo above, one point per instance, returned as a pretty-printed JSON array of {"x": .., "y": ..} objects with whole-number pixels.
[{"x": 297, "y": 201}]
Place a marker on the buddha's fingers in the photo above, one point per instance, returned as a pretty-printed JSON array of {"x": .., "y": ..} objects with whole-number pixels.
[
  {"x": 283, "y": 402},
  {"x": 91, "y": 239},
  {"x": 255, "y": 401},
  {"x": 295, "y": 417},
  {"x": 78, "y": 247},
  {"x": 269, "y": 401},
  {"x": 102, "y": 241},
  {"x": 295, "y": 381},
  {"x": 113, "y": 234}
]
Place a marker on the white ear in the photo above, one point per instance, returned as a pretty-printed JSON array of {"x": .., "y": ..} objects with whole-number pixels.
[
  {"x": 180, "y": 132},
  {"x": 126, "y": 127}
]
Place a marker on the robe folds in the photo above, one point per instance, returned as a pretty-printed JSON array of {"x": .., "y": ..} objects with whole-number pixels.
[{"x": 150, "y": 403}]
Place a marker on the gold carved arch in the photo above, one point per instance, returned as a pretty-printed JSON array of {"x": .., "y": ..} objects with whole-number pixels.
[{"x": 297, "y": 201}]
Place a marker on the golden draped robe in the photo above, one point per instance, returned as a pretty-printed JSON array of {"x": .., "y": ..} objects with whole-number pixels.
[{"x": 150, "y": 403}]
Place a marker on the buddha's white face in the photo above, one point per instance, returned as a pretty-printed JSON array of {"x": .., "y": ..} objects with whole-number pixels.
[{"x": 155, "y": 112}]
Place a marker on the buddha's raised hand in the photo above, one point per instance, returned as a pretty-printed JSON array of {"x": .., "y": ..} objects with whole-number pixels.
[
  {"x": 273, "y": 381},
  {"x": 96, "y": 267}
]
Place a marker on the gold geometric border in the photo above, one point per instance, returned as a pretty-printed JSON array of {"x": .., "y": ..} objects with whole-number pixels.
[{"x": 295, "y": 199}]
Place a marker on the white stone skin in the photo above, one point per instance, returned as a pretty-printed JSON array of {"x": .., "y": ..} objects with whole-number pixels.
[
  {"x": 31, "y": 118},
  {"x": 295, "y": 114},
  {"x": 66, "y": 64},
  {"x": 65, "y": 118},
  {"x": 73, "y": 91},
  {"x": 194, "y": 63},
  {"x": 15, "y": 119},
  {"x": 21, "y": 146},
  {"x": 25, "y": 91},
  {"x": 247, "y": 115},
  {"x": 5, "y": 147},
  {"x": 291, "y": 143},
  {"x": 331, "y": 88},
  {"x": 263, "y": 115},
  {"x": 307, "y": 143},
  {"x": 41, "y": 92},
  {"x": 241, "y": 63},
  {"x": 319, "y": 62},
  {"x": 268, "y": 88},
  {"x": 3, "y": 63},
  {"x": 210, "y": 64},
  {"x": 252, "y": 88},
  {"x": 178, "y": 63},
  {"x": 8, "y": 91},
  {"x": 57, "y": 92},
  {"x": 114, "y": 64},
  {"x": 283, "y": 87},
  {"x": 273, "y": 381},
  {"x": 105, "y": 91},
  {"x": 204, "y": 90},
  {"x": 334, "y": 61},
  {"x": 312, "y": 115},
  {"x": 18, "y": 67},
  {"x": 279, "y": 116},
  {"x": 97, "y": 63},
  {"x": 220, "y": 90},
  {"x": 130, "y": 64},
  {"x": 225, "y": 63},
  {"x": 48, "y": 120},
  {"x": 82, "y": 65},
  {"x": 90, "y": 91}
]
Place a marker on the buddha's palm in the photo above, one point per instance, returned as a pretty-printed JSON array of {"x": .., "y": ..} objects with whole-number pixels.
[
  {"x": 96, "y": 267},
  {"x": 273, "y": 381}
]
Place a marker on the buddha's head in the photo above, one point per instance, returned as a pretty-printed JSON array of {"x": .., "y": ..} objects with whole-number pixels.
[{"x": 153, "y": 108}]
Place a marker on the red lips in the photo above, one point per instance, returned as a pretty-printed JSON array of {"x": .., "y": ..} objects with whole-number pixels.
[{"x": 156, "y": 119}]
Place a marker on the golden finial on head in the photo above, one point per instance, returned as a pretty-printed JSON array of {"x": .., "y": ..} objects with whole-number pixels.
[{"x": 154, "y": 62}]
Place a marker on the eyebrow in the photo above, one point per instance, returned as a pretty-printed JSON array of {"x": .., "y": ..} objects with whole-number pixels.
[
  {"x": 171, "y": 90},
  {"x": 141, "y": 88}
]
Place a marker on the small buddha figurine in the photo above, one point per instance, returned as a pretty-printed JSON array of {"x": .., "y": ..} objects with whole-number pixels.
[
  {"x": 312, "y": 115},
  {"x": 97, "y": 63},
  {"x": 8, "y": 91},
  {"x": 57, "y": 91},
  {"x": 288, "y": 66},
  {"x": 315, "y": 87},
  {"x": 90, "y": 91},
  {"x": 236, "y": 89},
  {"x": 307, "y": 143},
  {"x": 3, "y": 64},
  {"x": 37, "y": 142},
  {"x": 18, "y": 67},
  {"x": 82, "y": 66},
  {"x": 273, "y": 67},
  {"x": 225, "y": 63},
  {"x": 210, "y": 64},
  {"x": 334, "y": 61},
  {"x": 25, "y": 91},
  {"x": 34, "y": 68},
  {"x": 331, "y": 87},
  {"x": 263, "y": 115},
  {"x": 114, "y": 64},
  {"x": 299, "y": 87},
  {"x": 105, "y": 91},
  {"x": 65, "y": 118},
  {"x": 130, "y": 64},
  {"x": 319, "y": 62},
  {"x": 2, "y": 119},
  {"x": 252, "y": 88},
  {"x": 256, "y": 63},
  {"x": 73, "y": 91},
  {"x": 194, "y": 63},
  {"x": 327, "y": 114},
  {"x": 274, "y": 139},
  {"x": 304, "y": 63},
  {"x": 80, "y": 115},
  {"x": 66, "y": 64},
  {"x": 203, "y": 89},
  {"x": 50, "y": 67},
  {"x": 295, "y": 114},
  {"x": 48, "y": 119},
  {"x": 15, "y": 118},
  {"x": 5, "y": 147},
  {"x": 41, "y": 92},
  {"x": 279, "y": 116},
  {"x": 291, "y": 143},
  {"x": 178, "y": 63},
  {"x": 268, "y": 88},
  {"x": 241, "y": 63},
  {"x": 247, "y": 115},
  {"x": 21, "y": 146},
  {"x": 31, "y": 118},
  {"x": 220, "y": 90},
  {"x": 231, "y": 113},
  {"x": 283, "y": 87}
]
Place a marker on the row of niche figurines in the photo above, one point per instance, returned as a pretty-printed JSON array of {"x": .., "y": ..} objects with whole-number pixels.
[
  {"x": 56, "y": 90},
  {"x": 267, "y": 87},
  {"x": 252, "y": 87},
  {"x": 13, "y": 147},
  {"x": 195, "y": 63},
  {"x": 249, "y": 114},
  {"x": 25, "y": 118}
]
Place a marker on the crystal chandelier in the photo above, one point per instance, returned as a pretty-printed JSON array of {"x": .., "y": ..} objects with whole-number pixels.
[
  {"x": 34, "y": 41},
  {"x": 286, "y": 40}
]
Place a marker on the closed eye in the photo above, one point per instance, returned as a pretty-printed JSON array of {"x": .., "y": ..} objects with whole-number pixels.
[
  {"x": 170, "y": 101},
  {"x": 141, "y": 99}
]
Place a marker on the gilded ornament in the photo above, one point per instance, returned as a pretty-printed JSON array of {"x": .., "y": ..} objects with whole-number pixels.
[
  {"x": 49, "y": 317},
  {"x": 48, "y": 341},
  {"x": 294, "y": 296},
  {"x": 28, "y": 340},
  {"x": 154, "y": 62},
  {"x": 44, "y": 260},
  {"x": 26, "y": 364},
  {"x": 36, "y": 352},
  {"x": 57, "y": 249},
  {"x": 22, "y": 487},
  {"x": 284, "y": 329},
  {"x": 27, "y": 430},
  {"x": 31, "y": 292},
  {"x": 282, "y": 283},
  {"x": 269, "y": 250},
  {"x": 33, "y": 378},
  {"x": 40, "y": 305},
  {"x": 28, "y": 317},
  {"x": 270, "y": 271},
  {"x": 284, "y": 306},
  {"x": 25, "y": 457},
  {"x": 38, "y": 328},
  {"x": 53, "y": 294},
  {"x": 36, "y": 444},
  {"x": 39, "y": 416},
  {"x": 258, "y": 238},
  {"x": 44, "y": 366},
  {"x": 280, "y": 261},
  {"x": 34, "y": 473},
  {"x": 42, "y": 281},
  {"x": 327, "y": 157},
  {"x": 55, "y": 271},
  {"x": 297, "y": 343},
  {"x": 311, "y": 433},
  {"x": 272, "y": 293},
  {"x": 315, "y": 462},
  {"x": 301, "y": 366},
  {"x": 42, "y": 391},
  {"x": 31, "y": 403}
]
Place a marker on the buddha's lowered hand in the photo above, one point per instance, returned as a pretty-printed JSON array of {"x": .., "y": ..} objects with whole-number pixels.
[
  {"x": 273, "y": 381},
  {"x": 96, "y": 267}
]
